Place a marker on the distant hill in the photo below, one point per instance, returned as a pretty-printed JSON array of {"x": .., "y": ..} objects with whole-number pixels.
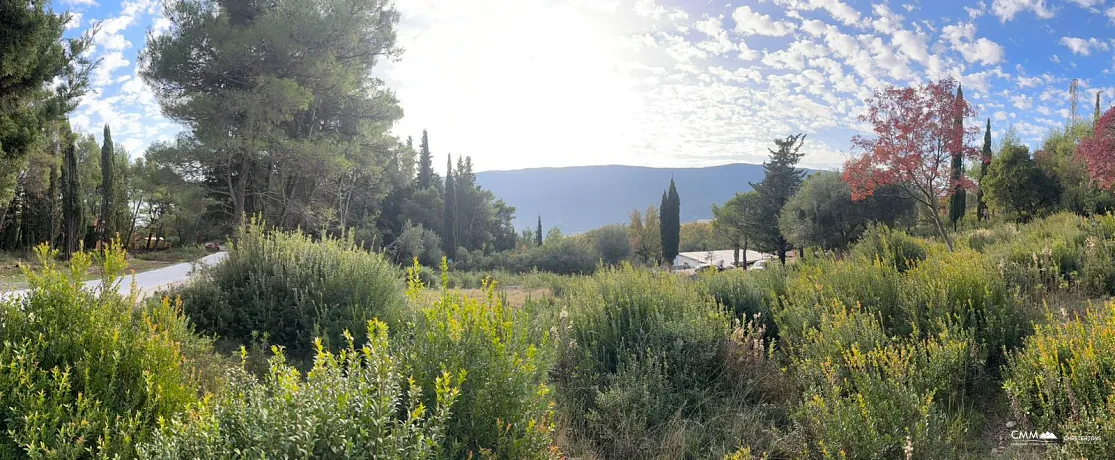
[{"x": 580, "y": 198}]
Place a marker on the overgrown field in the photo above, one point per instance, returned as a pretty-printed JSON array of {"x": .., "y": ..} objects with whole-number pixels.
[{"x": 316, "y": 349}]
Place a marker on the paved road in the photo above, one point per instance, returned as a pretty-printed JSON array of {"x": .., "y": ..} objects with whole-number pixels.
[{"x": 149, "y": 281}]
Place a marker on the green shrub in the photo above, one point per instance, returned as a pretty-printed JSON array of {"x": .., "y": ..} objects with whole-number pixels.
[
  {"x": 1097, "y": 273},
  {"x": 870, "y": 396},
  {"x": 351, "y": 404},
  {"x": 84, "y": 373},
  {"x": 874, "y": 285},
  {"x": 747, "y": 293},
  {"x": 1046, "y": 255},
  {"x": 294, "y": 289},
  {"x": 504, "y": 408},
  {"x": 643, "y": 367},
  {"x": 983, "y": 239},
  {"x": 962, "y": 290},
  {"x": 1063, "y": 380},
  {"x": 891, "y": 247}
]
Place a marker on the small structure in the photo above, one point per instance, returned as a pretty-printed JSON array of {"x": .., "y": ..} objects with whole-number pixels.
[{"x": 721, "y": 259}]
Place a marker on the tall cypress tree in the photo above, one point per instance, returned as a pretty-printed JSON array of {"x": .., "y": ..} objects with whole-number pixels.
[
  {"x": 662, "y": 219},
  {"x": 450, "y": 223},
  {"x": 1096, "y": 117},
  {"x": 425, "y": 164},
  {"x": 959, "y": 200},
  {"x": 985, "y": 161},
  {"x": 670, "y": 223},
  {"x": 71, "y": 199},
  {"x": 108, "y": 170},
  {"x": 538, "y": 233}
]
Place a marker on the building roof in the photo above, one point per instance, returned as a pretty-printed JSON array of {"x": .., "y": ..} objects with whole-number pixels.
[{"x": 720, "y": 258}]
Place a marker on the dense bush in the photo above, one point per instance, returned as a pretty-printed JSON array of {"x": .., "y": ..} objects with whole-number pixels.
[
  {"x": 504, "y": 407},
  {"x": 747, "y": 294},
  {"x": 1064, "y": 380},
  {"x": 889, "y": 246},
  {"x": 874, "y": 285},
  {"x": 642, "y": 369},
  {"x": 560, "y": 255},
  {"x": 293, "y": 289},
  {"x": 868, "y": 395},
  {"x": 84, "y": 373},
  {"x": 962, "y": 290},
  {"x": 351, "y": 404}
]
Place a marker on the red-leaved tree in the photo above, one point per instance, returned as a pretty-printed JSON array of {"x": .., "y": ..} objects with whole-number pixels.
[
  {"x": 915, "y": 134},
  {"x": 1099, "y": 151}
]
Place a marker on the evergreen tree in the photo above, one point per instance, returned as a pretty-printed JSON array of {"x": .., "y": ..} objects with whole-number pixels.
[
  {"x": 425, "y": 164},
  {"x": 449, "y": 227},
  {"x": 781, "y": 181},
  {"x": 33, "y": 55},
  {"x": 670, "y": 223},
  {"x": 1096, "y": 117},
  {"x": 71, "y": 199},
  {"x": 662, "y": 219},
  {"x": 108, "y": 170},
  {"x": 538, "y": 233},
  {"x": 985, "y": 161},
  {"x": 958, "y": 202}
]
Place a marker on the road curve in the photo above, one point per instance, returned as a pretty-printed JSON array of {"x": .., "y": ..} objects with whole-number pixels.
[{"x": 149, "y": 281}]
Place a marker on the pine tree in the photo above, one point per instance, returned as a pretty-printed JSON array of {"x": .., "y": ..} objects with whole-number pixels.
[
  {"x": 71, "y": 200},
  {"x": 538, "y": 233},
  {"x": 958, "y": 202},
  {"x": 985, "y": 161},
  {"x": 108, "y": 170},
  {"x": 449, "y": 226},
  {"x": 670, "y": 223},
  {"x": 781, "y": 181},
  {"x": 425, "y": 164}
]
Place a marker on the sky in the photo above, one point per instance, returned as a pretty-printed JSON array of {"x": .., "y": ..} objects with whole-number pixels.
[{"x": 670, "y": 83}]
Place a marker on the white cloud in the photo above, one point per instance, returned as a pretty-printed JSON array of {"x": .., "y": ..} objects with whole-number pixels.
[
  {"x": 979, "y": 10},
  {"x": 1022, "y": 102},
  {"x": 1082, "y": 46},
  {"x": 838, "y": 10},
  {"x": 102, "y": 74},
  {"x": 718, "y": 42},
  {"x": 1007, "y": 9},
  {"x": 92, "y": 3},
  {"x": 1110, "y": 14},
  {"x": 886, "y": 21},
  {"x": 75, "y": 21},
  {"x": 962, "y": 38},
  {"x": 1088, "y": 3},
  {"x": 1028, "y": 82},
  {"x": 749, "y": 22},
  {"x": 912, "y": 45}
]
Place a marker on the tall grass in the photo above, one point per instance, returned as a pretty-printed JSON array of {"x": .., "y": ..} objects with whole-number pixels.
[{"x": 644, "y": 369}]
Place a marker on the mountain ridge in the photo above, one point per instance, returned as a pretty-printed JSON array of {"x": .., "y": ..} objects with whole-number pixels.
[{"x": 580, "y": 198}]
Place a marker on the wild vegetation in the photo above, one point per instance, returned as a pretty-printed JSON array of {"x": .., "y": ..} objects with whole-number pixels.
[{"x": 931, "y": 309}]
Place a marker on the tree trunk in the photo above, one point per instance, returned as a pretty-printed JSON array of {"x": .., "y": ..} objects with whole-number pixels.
[{"x": 941, "y": 227}]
